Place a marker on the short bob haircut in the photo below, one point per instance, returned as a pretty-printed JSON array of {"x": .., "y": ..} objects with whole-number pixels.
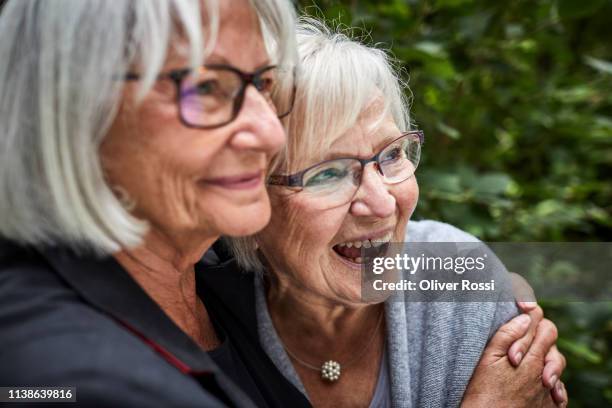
[
  {"x": 61, "y": 62},
  {"x": 339, "y": 78}
]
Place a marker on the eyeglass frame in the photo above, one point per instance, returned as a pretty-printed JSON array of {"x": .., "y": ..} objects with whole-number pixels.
[
  {"x": 296, "y": 180},
  {"x": 178, "y": 75}
]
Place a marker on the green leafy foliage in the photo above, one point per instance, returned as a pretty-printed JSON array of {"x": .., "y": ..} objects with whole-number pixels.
[{"x": 515, "y": 99}]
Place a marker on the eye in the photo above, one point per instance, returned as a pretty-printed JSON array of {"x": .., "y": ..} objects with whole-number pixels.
[
  {"x": 392, "y": 155},
  {"x": 264, "y": 84},
  {"x": 328, "y": 175},
  {"x": 207, "y": 87}
]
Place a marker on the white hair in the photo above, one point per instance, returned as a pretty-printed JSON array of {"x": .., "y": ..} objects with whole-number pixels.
[
  {"x": 339, "y": 78},
  {"x": 61, "y": 69}
]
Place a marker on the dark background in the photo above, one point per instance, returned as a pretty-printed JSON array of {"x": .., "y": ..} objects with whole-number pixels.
[{"x": 515, "y": 98}]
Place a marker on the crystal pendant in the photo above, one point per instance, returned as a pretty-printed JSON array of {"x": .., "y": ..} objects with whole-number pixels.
[{"x": 330, "y": 371}]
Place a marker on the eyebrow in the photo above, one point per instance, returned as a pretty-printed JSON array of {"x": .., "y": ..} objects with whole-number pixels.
[
  {"x": 220, "y": 59},
  {"x": 387, "y": 139}
]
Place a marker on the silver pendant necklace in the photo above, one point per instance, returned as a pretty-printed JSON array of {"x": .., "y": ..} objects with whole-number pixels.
[{"x": 331, "y": 370}]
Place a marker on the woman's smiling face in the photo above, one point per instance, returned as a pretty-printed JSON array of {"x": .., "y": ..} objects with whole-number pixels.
[
  {"x": 301, "y": 241},
  {"x": 189, "y": 182}
]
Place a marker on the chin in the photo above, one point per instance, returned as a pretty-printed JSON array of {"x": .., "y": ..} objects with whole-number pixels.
[{"x": 244, "y": 220}]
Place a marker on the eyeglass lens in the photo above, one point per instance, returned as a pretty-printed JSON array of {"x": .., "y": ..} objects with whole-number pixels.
[
  {"x": 335, "y": 182},
  {"x": 213, "y": 96}
]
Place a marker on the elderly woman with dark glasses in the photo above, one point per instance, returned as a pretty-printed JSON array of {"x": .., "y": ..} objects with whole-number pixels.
[
  {"x": 132, "y": 135},
  {"x": 346, "y": 181}
]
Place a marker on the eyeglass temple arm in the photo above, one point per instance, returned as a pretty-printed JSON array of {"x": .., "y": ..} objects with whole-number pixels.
[
  {"x": 290, "y": 180},
  {"x": 131, "y": 76},
  {"x": 421, "y": 135},
  {"x": 175, "y": 75}
]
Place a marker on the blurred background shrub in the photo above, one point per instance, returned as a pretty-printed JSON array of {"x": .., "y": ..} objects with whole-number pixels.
[{"x": 515, "y": 98}]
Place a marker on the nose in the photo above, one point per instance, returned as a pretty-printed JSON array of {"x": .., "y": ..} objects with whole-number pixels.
[
  {"x": 258, "y": 127},
  {"x": 373, "y": 198}
]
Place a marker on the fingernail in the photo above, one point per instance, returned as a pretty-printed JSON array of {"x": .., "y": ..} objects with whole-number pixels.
[
  {"x": 518, "y": 357},
  {"x": 554, "y": 383},
  {"x": 564, "y": 391},
  {"x": 558, "y": 385},
  {"x": 523, "y": 319},
  {"x": 527, "y": 305}
]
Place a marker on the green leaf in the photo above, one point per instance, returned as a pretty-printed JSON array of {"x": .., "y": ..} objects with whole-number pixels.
[
  {"x": 580, "y": 350},
  {"x": 431, "y": 48},
  {"x": 599, "y": 64},
  {"x": 396, "y": 8},
  {"x": 492, "y": 184},
  {"x": 448, "y": 131},
  {"x": 577, "y": 94},
  {"x": 446, "y": 182}
]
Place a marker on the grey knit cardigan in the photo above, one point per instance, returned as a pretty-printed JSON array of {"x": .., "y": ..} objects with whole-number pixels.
[{"x": 432, "y": 347}]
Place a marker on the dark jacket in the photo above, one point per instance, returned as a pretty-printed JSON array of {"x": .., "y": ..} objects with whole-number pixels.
[
  {"x": 229, "y": 295},
  {"x": 81, "y": 321}
]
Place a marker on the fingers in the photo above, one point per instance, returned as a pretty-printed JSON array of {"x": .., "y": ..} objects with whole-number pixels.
[
  {"x": 545, "y": 338},
  {"x": 526, "y": 306},
  {"x": 523, "y": 293},
  {"x": 565, "y": 396},
  {"x": 520, "y": 346},
  {"x": 554, "y": 364},
  {"x": 507, "y": 334},
  {"x": 559, "y": 394}
]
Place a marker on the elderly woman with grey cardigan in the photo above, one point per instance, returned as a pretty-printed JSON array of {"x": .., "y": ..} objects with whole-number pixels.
[{"x": 344, "y": 182}]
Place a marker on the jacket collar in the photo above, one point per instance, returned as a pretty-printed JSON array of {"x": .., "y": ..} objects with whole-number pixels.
[
  {"x": 219, "y": 275},
  {"x": 104, "y": 283}
]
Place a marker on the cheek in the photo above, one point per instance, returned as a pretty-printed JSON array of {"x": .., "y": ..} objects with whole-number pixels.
[
  {"x": 151, "y": 156},
  {"x": 162, "y": 139},
  {"x": 140, "y": 142},
  {"x": 299, "y": 232},
  {"x": 407, "y": 196}
]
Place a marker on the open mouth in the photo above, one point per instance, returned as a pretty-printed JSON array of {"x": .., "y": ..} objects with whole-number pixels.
[{"x": 364, "y": 251}]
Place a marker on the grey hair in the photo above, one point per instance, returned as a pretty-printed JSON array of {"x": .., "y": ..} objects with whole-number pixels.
[
  {"x": 339, "y": 77},
  {"x": 61, "y": 65}
]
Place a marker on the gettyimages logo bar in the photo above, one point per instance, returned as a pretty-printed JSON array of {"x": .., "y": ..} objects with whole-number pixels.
[{"x": 478, "y": 272}]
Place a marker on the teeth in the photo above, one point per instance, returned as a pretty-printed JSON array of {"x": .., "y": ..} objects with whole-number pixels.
[
  {"x": 358, "y": 259},
  {"x": 368, "y": 243},
  {"x": 383, "y": 240}
]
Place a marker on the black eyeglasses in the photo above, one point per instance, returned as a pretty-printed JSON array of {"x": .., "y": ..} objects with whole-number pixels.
[
  {"x": 334, "y": 182},
  {"x": 212, "y": 96}
]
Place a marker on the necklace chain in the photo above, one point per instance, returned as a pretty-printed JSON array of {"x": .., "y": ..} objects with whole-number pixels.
[{"x": 354, "y": 359}]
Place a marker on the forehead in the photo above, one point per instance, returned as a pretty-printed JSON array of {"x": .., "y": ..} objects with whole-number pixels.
[
  {"x": 238, "y": 41},
  {"x": 374, "y": 128}
]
